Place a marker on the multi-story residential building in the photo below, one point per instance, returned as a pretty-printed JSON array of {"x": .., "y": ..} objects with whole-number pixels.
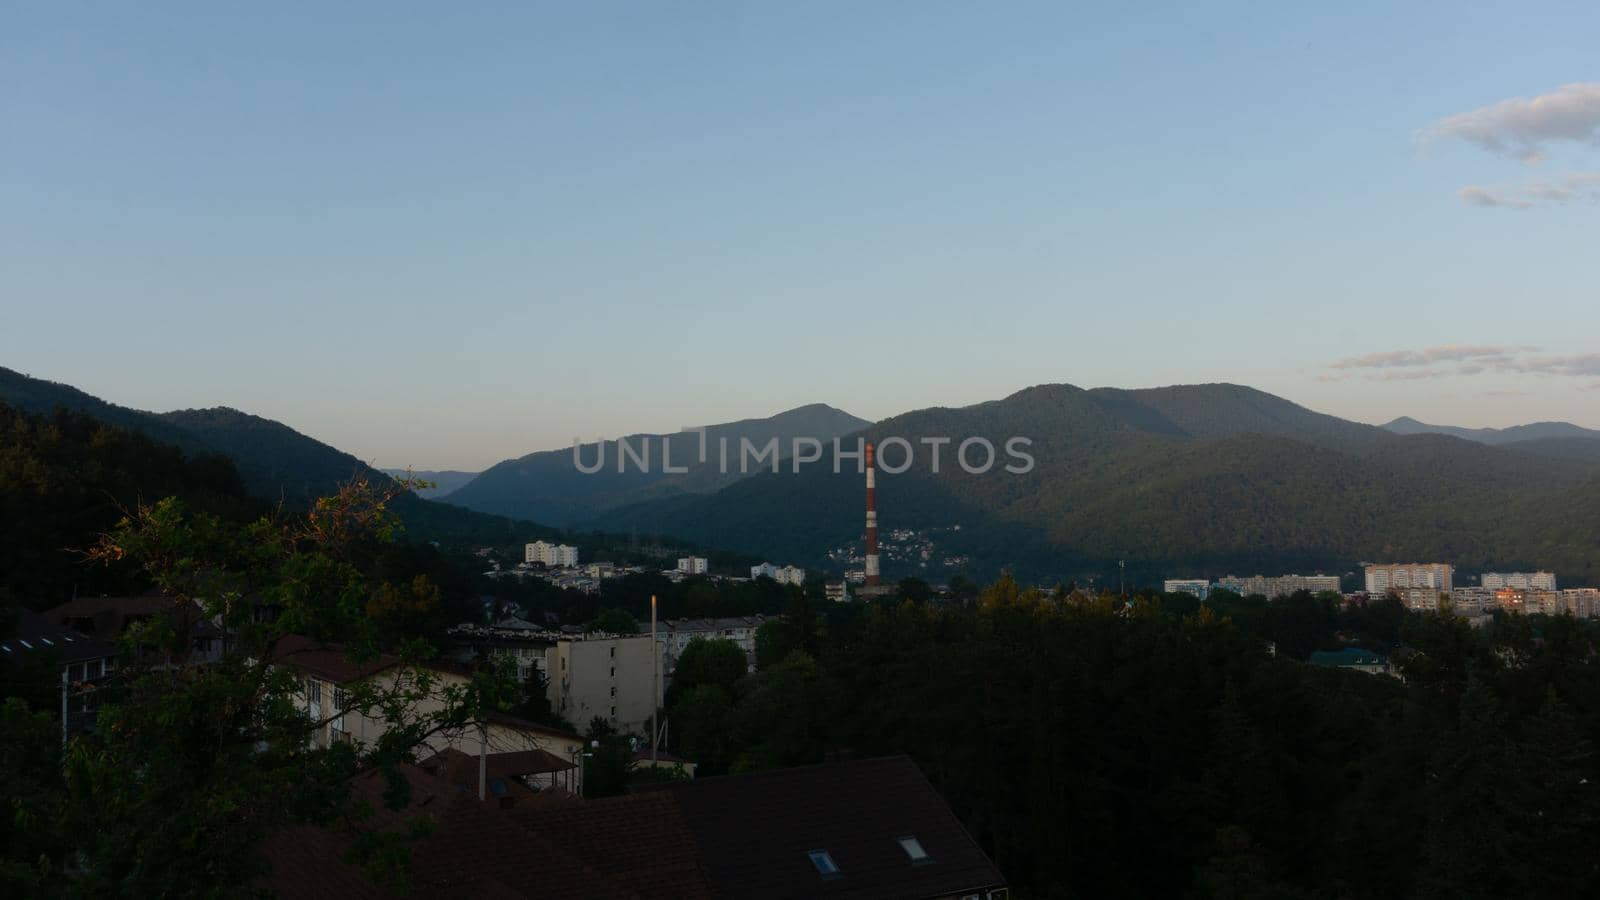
[
  {"x": 1526, "y": 581},
  {"x": 1473, "y": 601},
  {"x": 837, "y": 591},
  {"x": 1385, "y": 577},
  {"x": 608, "y": 677},
  {"x": 791, "y": 575},
  {"x": 1583, "y": 603},
  {"x": 1278, "y": 586},
  {"x": 1421, "y": 599},
  {"x": 554, "y": 555},
  {"x": 1199, "y": 587},
  {"x": 766, "y": 569},
  {"x": 693, "y": 565},
  {"x": 328, "y": 676}
]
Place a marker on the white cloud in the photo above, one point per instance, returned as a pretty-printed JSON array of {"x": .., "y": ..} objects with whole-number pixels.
[
  {"x": 1522, "y": 126},
  {"x": 1575, "y": 186},
  {"x": 1428, "y": 356}
]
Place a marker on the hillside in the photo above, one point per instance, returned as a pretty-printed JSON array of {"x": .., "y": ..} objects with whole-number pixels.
[
  {"x": 272, "y": 461},
  {"x": 1193, "y": 480},
  {"x": 548, "y": 487},
  {"x": 444, "y": 480}
]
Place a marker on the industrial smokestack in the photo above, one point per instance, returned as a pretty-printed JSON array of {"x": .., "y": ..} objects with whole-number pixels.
[{"x": 872, "y": 522}]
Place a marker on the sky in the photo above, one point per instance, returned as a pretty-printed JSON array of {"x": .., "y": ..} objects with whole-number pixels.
[{"x": 439, "y": 237}]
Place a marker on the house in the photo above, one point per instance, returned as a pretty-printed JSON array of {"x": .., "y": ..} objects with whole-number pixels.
[
  {"x": 1352, "y": 658},
  {"x": 85, "y": 663},
  {"x": 328, "y": 674},
  {"x": 861, "y": 829},
  {"x": 674, "y": 635},
  {"x": 107, "y": 618},
  {"x": 508, "y": 776}
]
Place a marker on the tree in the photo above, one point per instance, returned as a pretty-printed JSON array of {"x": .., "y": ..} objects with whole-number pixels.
[
  {"x": 915, "y": 589},
  {"x": 615, "y": 621},
  {"x": 775, "y": 640},
  {"x": 713, "y": 662},
  {"x": 220, "y": 755}
]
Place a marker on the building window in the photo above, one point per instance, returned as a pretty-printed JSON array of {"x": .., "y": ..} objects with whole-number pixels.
[
  {"x": 613, "y": 712},
  {"x": 913, "y": 849},
  {"x": 613, "y": 671},
  {"x": 826, "y": 867},
  {"x": 313, "y": 690},
  {"x": 613, "y": 690},
  {"x": 613, "y": 653}
]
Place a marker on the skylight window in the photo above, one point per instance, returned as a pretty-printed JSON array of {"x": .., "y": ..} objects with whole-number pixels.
[
  {"x": 913, "y": 849},
  {"x": 826, "y": 867}
]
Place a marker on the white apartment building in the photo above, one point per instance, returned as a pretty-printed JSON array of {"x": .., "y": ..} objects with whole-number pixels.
[
  {"x": 791, "y": 575},
  {"x": 693, "y": 565},
  {"x": 1382, "y": 578},
  {"x": 553, "y": 555},
  {"x": 1278, "y": 586},
  {"x": 765, "y": 569},
  {"x": 1199, "y": 587},
  {"x": 1525, "y": 581},
  {"x": 609, "y": 677}
]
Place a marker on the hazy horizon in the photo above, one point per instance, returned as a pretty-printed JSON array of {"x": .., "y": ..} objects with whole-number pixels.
[{"x": 444, "y": 241}]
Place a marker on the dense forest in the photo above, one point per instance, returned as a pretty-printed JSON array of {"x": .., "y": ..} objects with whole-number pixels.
[{"x": 1102, "y": 748}]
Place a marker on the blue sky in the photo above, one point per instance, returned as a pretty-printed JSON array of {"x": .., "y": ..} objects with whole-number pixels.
[{"x": 437, "y": 237}]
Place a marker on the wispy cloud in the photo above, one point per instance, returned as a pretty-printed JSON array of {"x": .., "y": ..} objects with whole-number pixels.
[
  {"x": 1575, "y": 186},
  {"x": 1522, "y": 127},
  {"x": 1462, "y": 360},
  {"x": 1429, "y": 356}
]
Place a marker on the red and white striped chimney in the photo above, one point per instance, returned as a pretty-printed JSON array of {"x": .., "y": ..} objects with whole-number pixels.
[{"x": 872, "y": 522}]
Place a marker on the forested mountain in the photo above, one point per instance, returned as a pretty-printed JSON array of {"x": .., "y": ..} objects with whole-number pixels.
[
  {"x": 444, "y": 480},
  {"x": 65, "y": 478},
  {"x": 1532, "y": 432},
  {"x": 1200, "y": 480},
  {"x": 548, "y": 487}
]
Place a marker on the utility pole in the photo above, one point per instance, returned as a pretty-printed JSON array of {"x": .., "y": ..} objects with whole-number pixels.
[
  {"x": 63, "y": 706},
  {"x": 483, "y": 760},
  {"x": 1122, "y": 578},
  {"x": 655, "y": 683}
]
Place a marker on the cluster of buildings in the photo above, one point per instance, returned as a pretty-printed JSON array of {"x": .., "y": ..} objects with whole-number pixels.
[
  {"x": 1423, "y": 586},
  {"x": 555, "y": 556},
  {"x": 1266, "y": 586},
  {"x": 783, "y": 575}
]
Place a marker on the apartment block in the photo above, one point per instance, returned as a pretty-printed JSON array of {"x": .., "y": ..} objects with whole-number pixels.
[
  {"x": 1385, "y": 577},
  {"x": 1524, "y": 581}
]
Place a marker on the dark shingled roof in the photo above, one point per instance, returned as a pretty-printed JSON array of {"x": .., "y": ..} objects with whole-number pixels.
[{"x": 754, "y": 833}]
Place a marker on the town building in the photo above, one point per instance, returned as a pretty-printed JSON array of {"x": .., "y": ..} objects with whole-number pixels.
[
  {"x": 1385, "y": 577},
  {"x": 86, "y": 663},
  {"x": 1277, "y": 586},
  {"x": 607, "y": 677},
  {"x": 553, "y": 555},
  {"x": 1525, "y": 581},
  {"x": 1199, "y": 587},
  {"x": 764, "y": 570},
  {"x": 1353, "y": 658},
  {"x": 328, "y": 676},
  {"x": 791, "y": 575},
  {"x": 693, "y": 565},
  {"x": 837, "y": 591}
]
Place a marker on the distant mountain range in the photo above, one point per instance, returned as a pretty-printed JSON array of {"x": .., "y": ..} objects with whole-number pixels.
[
  {"x": 1177, "y": 481},
  {"x": 444, "y": 481},
  {"x": 547, "y": 486},
  {"x": 1536, "y": 431}
]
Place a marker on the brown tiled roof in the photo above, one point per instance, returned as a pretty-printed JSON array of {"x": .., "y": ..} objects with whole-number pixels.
[
  {"x": 473, "y": 852},
  {"x": 641, "y": 841},
  {"x": 324, "y": 661},
  {"x": 525, "y": 725},
  {"x": 458, "y": 767}
]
